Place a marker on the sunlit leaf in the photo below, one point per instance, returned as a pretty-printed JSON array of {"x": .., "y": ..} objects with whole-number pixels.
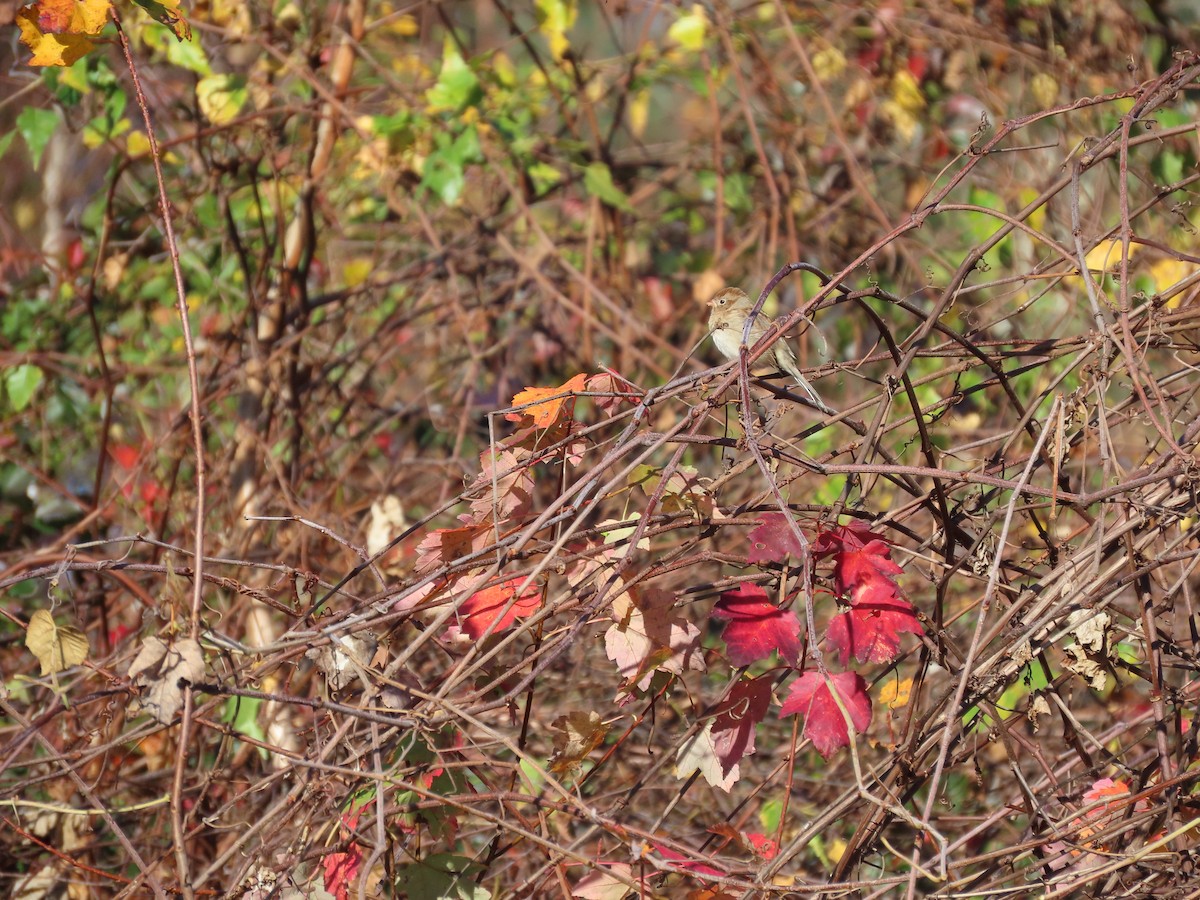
[
  {"x": 547, "y": 403},
  {"x": 56, "y": 647}
]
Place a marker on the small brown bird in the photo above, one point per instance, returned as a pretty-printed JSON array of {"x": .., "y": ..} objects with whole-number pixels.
[{"x": 730, "y": 306}]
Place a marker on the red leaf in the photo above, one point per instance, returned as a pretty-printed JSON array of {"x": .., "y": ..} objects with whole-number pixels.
[
  {"x": 859, "y": 555},
  {"x": 125, "y": 455},
  {"x": 483, "y": 608},
  {"x": 342, "y": 868},
  {"x": 756, "y": 628},
  {"x": 870, "y": 629},
  {"x": 773, "y": 540},
  {"x": 823, "y": 721},
  {"x": 340, "y": 871},
  {"x": 764, "y": 847},
  {"x": 679, "y": 861},
  {"x": 736, "y": 717}
]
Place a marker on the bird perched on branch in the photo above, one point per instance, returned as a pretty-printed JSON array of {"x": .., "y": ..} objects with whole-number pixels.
[{"x": 730, "y": 306}]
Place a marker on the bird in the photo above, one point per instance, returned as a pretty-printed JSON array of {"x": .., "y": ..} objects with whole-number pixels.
[{"x": 730, "y": 306}]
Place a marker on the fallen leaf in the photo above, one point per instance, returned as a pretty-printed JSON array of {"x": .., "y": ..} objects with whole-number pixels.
[{"x": 56, "y": 647}]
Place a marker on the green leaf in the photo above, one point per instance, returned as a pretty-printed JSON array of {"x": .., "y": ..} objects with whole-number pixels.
[
  {"x": 769, "y": 815},
  {"x": 21, "y": 381},
  {"x": 599, "y": 183},
  {"x": 441, "y": 876},
  {"x": 169, "y": 16},
  {"x": 5, "y": 142},
  {"x": 36, "y": 127},
  {"x": 457, "y": 87}
]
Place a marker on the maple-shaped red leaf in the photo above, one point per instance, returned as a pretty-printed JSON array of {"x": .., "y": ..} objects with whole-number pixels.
[
  {"x": 491, "y": 605},
  {"x": 736, "y": 718},
  {"x": 859, "y": 555},
  {"x": 545, "y": 405},
  {"x": 870, "y": 629},
  {"x": 756, "y": 628},
  {"x": 342, "y": 868},
  {"x": 774, "y": 540},
  {"x": 824, "y": 724}
]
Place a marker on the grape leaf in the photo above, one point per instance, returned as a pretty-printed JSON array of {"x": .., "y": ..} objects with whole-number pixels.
[
  {"x": 445, "y": 545},
  {"x": 504, "y": 487},
  {"x": 773, "y": 540},
  {"x": 646, "y": 637},
  {"x": 824, "y": 724},
  {"x": 870, "y": 629},
  {"x": 576, "y": 735},
  {"x": 736, "y": 718},
  {"x": 491, "y": 609},
  {"x": 546, "y": 404},
  {"x": 56, "y": 647},
  {"x": 700, "y": 754},
  {"x": 158, "y": 670},
  {"x": 756, "y": 628},
  {"x": 608, "y": 882},
  {"x": 859, "y": 555},
  {"x": 342, "y": 868}
]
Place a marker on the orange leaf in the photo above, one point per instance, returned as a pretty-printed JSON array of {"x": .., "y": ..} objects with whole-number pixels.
[
  {"x": 50, "y": 49},
  {"x": 546, "y": 403}
]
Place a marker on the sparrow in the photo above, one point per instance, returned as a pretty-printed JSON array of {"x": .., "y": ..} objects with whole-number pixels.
[{"x": 730, "y": 306}]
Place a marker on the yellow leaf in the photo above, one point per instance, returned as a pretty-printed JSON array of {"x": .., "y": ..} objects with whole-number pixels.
[
  {"x": 221, "y": 97},
  {"x": 71, "y": 16},
  {"x": 639, "y": 112},
  {"x": 1168, "y": 272},
  {"x": 895, "y": 693},
  {"x": 1045, "y": 89},
  {"x": 555, "y": 18},
  {"x": 828, "y": 63},
  {"x": 57, "y": 647},
  {"x": 907, "y": 92},
  {"x": 1037, "y": 218},
  {"x": 137, "y": 144},
  {"x": 1106, "y": 256},
  {"x": 50, "y": 49},
  {"x": 547, "y": 402},
  {"x": 690, "y": 29}
]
